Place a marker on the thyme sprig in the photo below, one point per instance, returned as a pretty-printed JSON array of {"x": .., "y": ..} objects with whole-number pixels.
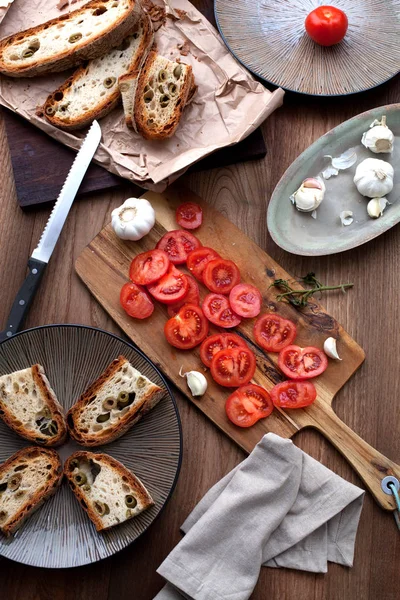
[{"x": 300, "y": 298}]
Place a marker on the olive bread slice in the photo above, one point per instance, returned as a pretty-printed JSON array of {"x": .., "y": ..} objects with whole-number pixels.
[
  {"x": 92, "y": 91},
  {"x": 112, "y": 404},
  {"x": 106, "y": 489},
  {"x": 161, "y": 95},
  {"x": 62, "y": 43},
  {"x": 27, "y": 479},
  {"x": 29, "y": 406}
]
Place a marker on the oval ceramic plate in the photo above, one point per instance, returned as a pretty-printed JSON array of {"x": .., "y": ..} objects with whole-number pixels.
[
  {"x": 268, "y": 37},
  {"x": 60, "y": 534},
  {"x": 298, "y": 232}
]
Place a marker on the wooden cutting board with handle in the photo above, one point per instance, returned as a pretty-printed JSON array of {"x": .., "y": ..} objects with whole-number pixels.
[{"x": 103, "y": 266}]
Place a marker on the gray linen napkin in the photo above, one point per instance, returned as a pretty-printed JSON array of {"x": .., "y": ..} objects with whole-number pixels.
[{"x": 278, "y": 508}]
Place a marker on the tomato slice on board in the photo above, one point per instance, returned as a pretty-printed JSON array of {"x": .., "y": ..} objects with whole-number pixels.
[
  {"x": 218, "y": 311},
  {"x": 191, "y": 297},
  {"x": 187, "y": 329},
  {"x": 217, "y": 342},
  {"x": 171, "y": 288},
  {"x": 177, "y": 244},
  {"x": 273, "y": 333},
  {"x": 326, "y": 25},
  {"x": 248, "y": 404},
  {"x": 148, "y": 267},
  {"x": 135, "y": 301},
  {"x": 198, "y": 259},
  {"x": 302, "y": 363},
  {"x": 189, "y": 215},
  {"x": 221, "y": 275},
  {"x": 245, "y": 300},
  {"x": 233, "y": 367},
  {"x": 293, "y": 394}
]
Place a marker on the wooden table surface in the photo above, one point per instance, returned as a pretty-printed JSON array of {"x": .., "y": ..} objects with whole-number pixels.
[{"x": 369, "y": 403}]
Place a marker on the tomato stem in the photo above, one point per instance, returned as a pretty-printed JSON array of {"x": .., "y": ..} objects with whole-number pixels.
[{"x": 300, "y": 297}]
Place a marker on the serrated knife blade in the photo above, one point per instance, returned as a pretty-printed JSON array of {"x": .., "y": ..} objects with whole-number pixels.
[
  {"x": 67, "y": 195},
  {"x": 42, "y": 253}
]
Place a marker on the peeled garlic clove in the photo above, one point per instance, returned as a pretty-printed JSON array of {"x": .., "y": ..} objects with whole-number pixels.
[
  {"x": 376, "y": 206},
  {"x": 330, "y": 348},
  {"x": 196, "y": 381},
  {"x": 379, "y": 138},
  {"x": 346, "y": 217},
  {"x": 309, "y": 195}
]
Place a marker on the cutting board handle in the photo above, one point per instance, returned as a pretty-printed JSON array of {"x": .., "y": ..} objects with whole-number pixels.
[{"x": 370, "y": 465}]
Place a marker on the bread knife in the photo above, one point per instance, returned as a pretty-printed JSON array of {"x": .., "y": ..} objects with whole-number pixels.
[{"x": 42, "y": 253}]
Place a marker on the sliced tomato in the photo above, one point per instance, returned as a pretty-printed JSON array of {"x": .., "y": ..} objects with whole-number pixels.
[
  {"x": 245, "y": 300},
  {"x": 135, "y": 301},
  {"x": 293, "y": 394},
  {"x": 187, "y": 329},
  {"x": 217, "y": 342},
  {"x": 149, "y": 267},
  {"x": 198, "y": 259},
  {"x": 273, "y": 333},
  {"x": 233, "y": 367},
  {"x": 191, "y": 297},
  {"x": 177, "y": 244},
  {"x": 302, "y": 363},
  {"x": 171, "y": 288},
  {"x": 248, "y": 404},
  {"x": 189, "y": 215},
  {"x": 218, "y": 311},
  {"x": 221, "y": 275}
]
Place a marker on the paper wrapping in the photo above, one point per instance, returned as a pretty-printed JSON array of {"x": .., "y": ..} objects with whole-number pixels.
[
  {"x": 4, "y": 6},
  {"x": 228, "y": 106}
]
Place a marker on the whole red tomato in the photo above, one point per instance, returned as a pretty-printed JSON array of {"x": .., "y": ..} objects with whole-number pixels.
[{"x": 326, "y": 25}]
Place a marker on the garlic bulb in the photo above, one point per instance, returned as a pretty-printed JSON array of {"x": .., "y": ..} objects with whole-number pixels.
[
  {"x": 379, "y": 138},
  {"x": 134, "y": 219},
  {"x": 374, "y": 178},
  {"x": 196, "y": 381},
  {"x": 376, "y": 206},
  {"x": 330, "y": 348},
  {"x": 309, "y": 195}
]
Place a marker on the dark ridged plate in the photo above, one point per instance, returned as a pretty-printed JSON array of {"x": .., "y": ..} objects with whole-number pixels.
[
  {"x": 59, "y": 534},
  {"x": 268, "y": 37}
]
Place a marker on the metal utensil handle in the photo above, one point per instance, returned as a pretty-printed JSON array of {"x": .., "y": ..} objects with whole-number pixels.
[{"x": 24, "y": 298}]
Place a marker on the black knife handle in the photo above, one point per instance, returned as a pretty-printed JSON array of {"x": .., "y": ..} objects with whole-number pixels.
[{"x": 24, "y": 298}]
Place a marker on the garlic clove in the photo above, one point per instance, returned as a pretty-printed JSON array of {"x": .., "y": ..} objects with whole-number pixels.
[
  {"x": 330, "y": 348},
  {"x": 309, "y": 195},
  {"x": 376, "y": 206},
  {"x": 197, "y": 383},
  {"x": 379, "y": 138},
  {"x": 346, "y": 217}
]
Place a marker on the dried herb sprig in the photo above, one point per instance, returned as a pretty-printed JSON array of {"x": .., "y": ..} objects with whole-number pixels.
[{"x": 299, "y": 298}]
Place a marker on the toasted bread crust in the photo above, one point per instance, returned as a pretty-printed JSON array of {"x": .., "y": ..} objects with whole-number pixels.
[
  {"x": 56, "y": 409},
  {"x": 148, "y": 401},
  {"x": 166, "y": 130},
  {"x": 128, "y": 82},
  {"x": 120, "y": 469},
  {"x": 79, "y": 52},
  {"x": 37, "y": 498}
]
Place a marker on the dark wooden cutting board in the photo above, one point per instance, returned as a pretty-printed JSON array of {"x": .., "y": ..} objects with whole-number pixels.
[
  {"x": 104, "y": 266},
  {"x": 41, "y": 164}
]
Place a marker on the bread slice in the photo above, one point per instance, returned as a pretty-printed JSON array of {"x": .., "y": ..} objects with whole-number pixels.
[
  {"x": 108, "y": 492},
  {"x": 27, "y": 479},
  {"x": 161, "y": 95},
  {"x": 92, "y": 91},
  {"x": 29, "y": 406},
  {"x": 112, "y": 404},
  {"x": 70, "y": 39}
]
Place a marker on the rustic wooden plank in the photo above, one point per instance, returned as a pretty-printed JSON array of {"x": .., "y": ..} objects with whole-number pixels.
[{"x": 104, "y": 267}]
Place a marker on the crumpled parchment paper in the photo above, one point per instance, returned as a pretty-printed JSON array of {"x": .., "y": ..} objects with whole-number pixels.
[
  {"x": 228, "y": 106},
  {"x": 4, "y": 6}
]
